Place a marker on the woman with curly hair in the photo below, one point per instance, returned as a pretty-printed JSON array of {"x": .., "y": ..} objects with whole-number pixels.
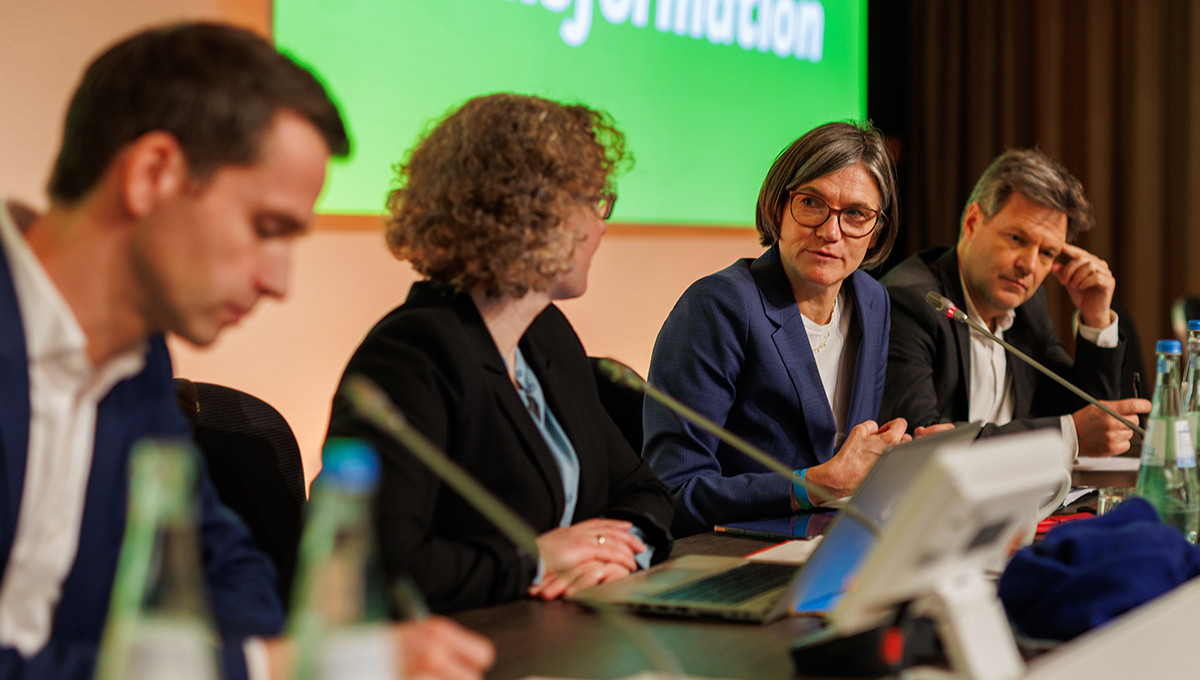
[{"x": 501, "y": 208}]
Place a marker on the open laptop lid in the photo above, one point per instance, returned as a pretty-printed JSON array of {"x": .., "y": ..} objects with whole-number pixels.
[{"x": 820, "y": 584}]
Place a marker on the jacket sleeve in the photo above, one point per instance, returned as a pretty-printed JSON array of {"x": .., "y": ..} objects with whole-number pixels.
[{"x": 698, "y": 359}]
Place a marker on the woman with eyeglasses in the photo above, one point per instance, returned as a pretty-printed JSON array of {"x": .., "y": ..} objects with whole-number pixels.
[
  {"x": 501, "y": 208},
  {"x": 787, "y": 350}
]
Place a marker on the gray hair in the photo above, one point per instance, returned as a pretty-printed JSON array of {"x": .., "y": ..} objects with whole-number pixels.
[{"x": 1038, "y": 178}]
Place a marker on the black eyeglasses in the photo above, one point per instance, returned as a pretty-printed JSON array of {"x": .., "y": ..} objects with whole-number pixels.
[
  {"x": 855, "y": 222},
  {"x": 603, "y": 205}
]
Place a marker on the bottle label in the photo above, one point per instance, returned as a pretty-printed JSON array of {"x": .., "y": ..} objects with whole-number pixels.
[
  {"x": 1185, "y": 454},
  {"x": 358, "y": 652},
  {"x": 1154, "y": 445}
]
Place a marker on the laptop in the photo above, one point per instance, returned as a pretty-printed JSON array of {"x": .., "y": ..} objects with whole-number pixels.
[{"x": 740, "y": 589}]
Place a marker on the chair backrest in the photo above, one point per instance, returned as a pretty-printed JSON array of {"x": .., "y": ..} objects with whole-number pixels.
[
  {"x": 255, "y": 466},
  {"x": 623, "y": 404},
  {"x": 1184, "y": 309}
]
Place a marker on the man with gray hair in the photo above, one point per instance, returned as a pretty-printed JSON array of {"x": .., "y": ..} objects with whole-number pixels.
[{"x": 1017, "y": 227}]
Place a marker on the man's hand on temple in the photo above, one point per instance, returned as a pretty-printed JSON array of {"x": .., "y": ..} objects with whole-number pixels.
[{"x": 1089, "y": 283}]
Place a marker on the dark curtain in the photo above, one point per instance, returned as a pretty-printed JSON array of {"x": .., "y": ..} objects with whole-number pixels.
[{"x": 1110, "y": 88}]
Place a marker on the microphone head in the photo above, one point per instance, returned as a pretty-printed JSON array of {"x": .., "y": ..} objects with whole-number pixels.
[
  {"x": 943, "y": 304},
  {"x": 620, "y": 374}
]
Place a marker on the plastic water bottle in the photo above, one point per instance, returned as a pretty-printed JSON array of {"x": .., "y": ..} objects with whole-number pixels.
[
  {"x": 158, "y": 623},
  {"x": 340, "y": 615},
  {"x": 1191, "y": 381},
  {"x": 1167, "y": 477}
]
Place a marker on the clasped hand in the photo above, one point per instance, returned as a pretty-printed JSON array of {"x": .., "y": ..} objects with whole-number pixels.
[{"x": 584, "y": 554}]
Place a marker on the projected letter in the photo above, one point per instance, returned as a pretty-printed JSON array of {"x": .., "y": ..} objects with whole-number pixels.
[
  {"x": 747, "y": 28},
  {"x": 783, "y": 33},
  {"x": 810, "y": 31},
  {"x": 574, "y": 31},
  {"x": 720, "y": 21}
]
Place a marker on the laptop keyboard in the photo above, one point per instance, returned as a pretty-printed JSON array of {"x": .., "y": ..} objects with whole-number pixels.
[{"x": 736, "y": 585}]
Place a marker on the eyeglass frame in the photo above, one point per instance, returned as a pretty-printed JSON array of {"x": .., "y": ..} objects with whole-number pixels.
[
  {"x": 603, "y": 205},
  {"x": 880, "y": 216}
]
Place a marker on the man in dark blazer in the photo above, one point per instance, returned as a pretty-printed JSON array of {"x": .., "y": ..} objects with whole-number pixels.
[
  {"x": 1016, "y": 229},
  {"x": 192, "y": 156}
]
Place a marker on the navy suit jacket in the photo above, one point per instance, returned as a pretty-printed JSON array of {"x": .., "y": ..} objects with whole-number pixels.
[
  {"x": 735, "y": 349},
  {"x": 929, "y": 375},
  {"x": 241, "y": 580}
]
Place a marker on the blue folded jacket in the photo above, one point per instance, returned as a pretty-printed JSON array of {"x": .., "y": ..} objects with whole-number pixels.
[{"x": 1088, "y": 572}]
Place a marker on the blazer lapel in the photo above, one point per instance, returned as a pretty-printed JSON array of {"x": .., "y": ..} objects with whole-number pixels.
[
  {"x": 869, "y": 314},
  {"x": 14, "y": 414},
  {"x": 946, "y": 267},
  {"x": 791, "y": 341},
  {"x": 510, "y": 402}
]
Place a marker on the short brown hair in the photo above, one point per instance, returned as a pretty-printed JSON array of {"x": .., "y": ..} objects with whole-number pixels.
[
  {"x": 1038, "y": 178},
  {"x": 215, "y": 88},
  {"x": 480, "y": 200},
  {"x": 820, "y": 151}
]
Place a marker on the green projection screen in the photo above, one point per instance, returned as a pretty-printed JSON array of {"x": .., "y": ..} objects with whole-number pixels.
[{"x": 708, "y": 92}]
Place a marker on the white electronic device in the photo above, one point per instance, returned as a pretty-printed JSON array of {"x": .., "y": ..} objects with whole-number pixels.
[{"x": 970, "y": 505}]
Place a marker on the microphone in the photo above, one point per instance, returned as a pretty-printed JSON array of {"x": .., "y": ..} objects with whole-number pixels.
[
  {"x": 943, "y": 304},
  {"x": 623, "y": 375},
  {"x": 370, "y": 402}
]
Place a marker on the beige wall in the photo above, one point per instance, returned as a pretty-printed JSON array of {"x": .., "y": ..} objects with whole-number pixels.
[{"x": 292, "y": 353}]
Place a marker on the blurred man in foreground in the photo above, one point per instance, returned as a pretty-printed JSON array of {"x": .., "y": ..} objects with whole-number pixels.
[{"x": 191, "y": 159}]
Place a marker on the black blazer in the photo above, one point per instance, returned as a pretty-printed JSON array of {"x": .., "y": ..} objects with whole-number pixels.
[
  {"x": 929, "y": 357},
  {"x": 435, "y": 359}
]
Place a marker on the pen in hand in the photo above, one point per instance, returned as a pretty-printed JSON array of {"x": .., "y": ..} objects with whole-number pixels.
[{"x": 1137, "y": 394}]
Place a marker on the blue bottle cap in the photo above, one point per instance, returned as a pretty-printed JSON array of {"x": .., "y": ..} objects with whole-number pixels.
[
  {"x": 1194, "y": 325},
  {"x": 1167, "y": 347},
  {"x": 349, "y": 464}
]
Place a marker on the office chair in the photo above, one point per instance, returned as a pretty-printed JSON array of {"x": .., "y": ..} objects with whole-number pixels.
[
  {"x": 255, "y": 466},
  {"x": 623, "y": 404},
  {"x": 1184, "y": 309}
]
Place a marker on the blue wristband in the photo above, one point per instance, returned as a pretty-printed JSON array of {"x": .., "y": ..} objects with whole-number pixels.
[{"x": 800, "y": 492}]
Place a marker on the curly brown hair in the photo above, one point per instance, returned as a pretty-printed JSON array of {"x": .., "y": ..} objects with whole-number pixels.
[{"x": 481, "y": 199}]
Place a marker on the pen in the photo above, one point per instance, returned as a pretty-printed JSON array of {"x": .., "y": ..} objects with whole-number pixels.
[
  {"x": 1137, "y": 393},
  {"x": 408, "y": 601}
]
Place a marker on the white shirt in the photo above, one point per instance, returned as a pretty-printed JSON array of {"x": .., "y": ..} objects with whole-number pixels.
[
  {"x": 64, "y": 390},
  {"x": 991, "y": 390},
  {"x": 834, "y": 356}
]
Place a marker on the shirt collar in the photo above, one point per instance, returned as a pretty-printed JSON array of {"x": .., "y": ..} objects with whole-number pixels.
[{"x": 52, "y": 333}]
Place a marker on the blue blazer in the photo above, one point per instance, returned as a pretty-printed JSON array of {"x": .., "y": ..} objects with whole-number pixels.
[
  {"x": 241, "y": 580},
  {"x": 735, "y": 349}
]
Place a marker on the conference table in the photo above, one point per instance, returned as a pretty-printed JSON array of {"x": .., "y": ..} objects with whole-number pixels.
[{"x": 564, "y": 640}]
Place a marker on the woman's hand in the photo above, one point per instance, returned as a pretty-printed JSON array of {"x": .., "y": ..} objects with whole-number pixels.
[
  {"x": 842, "y": 474},
  {"x": 602, "y": 541},
  {"x": 932, "y": 429},
  {"x": 576, "y": 579}
]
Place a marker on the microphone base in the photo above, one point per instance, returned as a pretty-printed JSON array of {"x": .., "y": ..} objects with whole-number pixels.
[{"x": 884, "y": 650}]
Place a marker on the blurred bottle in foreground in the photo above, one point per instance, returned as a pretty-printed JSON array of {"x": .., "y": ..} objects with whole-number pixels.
[
  {"x": 158, "y": 623},
  {"x": 339, "y": 619},
  {"x": 1167, "y": 477}
]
